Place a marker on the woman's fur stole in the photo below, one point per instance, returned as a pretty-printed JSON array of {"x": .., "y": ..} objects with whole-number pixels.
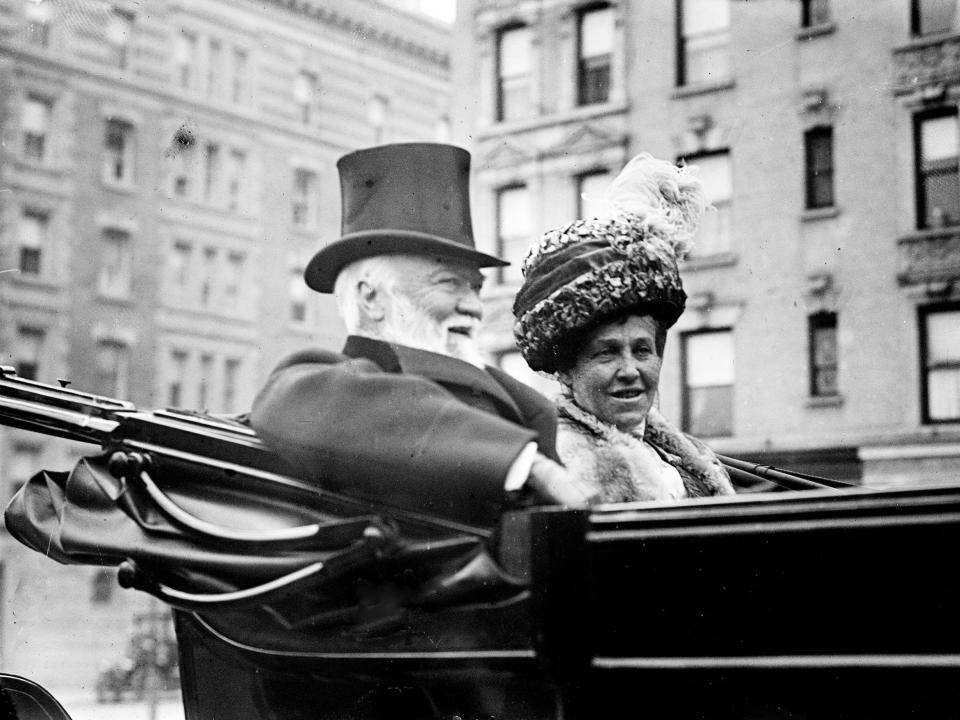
[{"x": 617, "y": 463}]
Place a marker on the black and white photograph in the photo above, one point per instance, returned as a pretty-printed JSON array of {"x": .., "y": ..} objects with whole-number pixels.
[{"x": 479, "y": 359}]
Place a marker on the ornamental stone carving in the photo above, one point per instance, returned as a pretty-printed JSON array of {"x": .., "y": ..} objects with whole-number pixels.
[
  {"x": 927, "y": 62},
  {"x": 929, "y": 256}
]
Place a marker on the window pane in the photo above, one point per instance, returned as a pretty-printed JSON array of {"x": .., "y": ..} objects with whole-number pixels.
[
  {"x": 943, "y": 337},
  {"x": 591, "y": 190},
  {"x": 705, "y": 16},
  {"x": 514, "y": 52},
  {"x": 710, "y": 411},
  {"x": 709, "y": 359},
  {"x": 941, "y": 192},
  {"x": 815, "y": 12},
  {"x": 36, "y": 115},
  {"x": 936, "y": 15},
  {"x": 943, "y": 394},
  {"x": 514, "y": 227},
  {"x": 716, "y": 174},
  {"x": 596, "y": 32},
  {"x": 938, "y": 139},
  {"x": 115, "y": 263}
]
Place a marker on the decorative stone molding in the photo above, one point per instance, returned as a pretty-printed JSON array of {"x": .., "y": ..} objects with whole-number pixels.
[
  {"x": 821, "y": 294},
  {"x": 926, "y": 63},
  {"x": 816, "y": 108},
  {"x": 330, "y": 14},
  {"x": 929, "y": 257},
  {"x": 504, "y": 154},
  {"x": 583, "y": 139}
]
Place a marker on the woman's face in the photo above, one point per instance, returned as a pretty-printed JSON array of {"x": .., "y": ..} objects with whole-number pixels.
[{"x": 617, "y": 371}]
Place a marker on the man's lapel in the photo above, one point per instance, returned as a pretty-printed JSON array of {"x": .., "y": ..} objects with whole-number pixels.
[
  {"x": 450, "y": 371},
  {"x": 442, "y": 369}
]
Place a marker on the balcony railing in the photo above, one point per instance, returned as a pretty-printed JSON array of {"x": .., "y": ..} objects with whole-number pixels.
[{"x": 930, "y": 256}]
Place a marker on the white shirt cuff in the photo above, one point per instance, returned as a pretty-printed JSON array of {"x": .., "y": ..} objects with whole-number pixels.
[{"x": 520, "y": 469}]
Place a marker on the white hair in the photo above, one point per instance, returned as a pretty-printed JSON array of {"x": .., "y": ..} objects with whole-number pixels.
[{"x": 377, "y": 270}]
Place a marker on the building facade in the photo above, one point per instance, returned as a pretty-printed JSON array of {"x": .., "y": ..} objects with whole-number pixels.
[
  {"x": 165, "y": 174},
  {"x": 822, "y": 331}
]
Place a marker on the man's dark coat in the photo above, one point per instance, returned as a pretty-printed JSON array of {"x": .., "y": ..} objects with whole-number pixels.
[{"x": 401, "y": 426}]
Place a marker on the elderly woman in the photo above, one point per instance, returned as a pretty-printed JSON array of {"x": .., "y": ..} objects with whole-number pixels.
[{"x": 597, "y": 301}]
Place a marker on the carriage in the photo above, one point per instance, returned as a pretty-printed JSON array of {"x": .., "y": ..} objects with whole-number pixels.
[{"x": 821, "y": 601}]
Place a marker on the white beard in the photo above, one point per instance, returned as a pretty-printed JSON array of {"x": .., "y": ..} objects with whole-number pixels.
[{"x": 407, "y": 324}]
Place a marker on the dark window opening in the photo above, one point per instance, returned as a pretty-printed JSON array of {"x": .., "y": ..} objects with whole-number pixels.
[
  {"x": 822, "y": 331},
  {"x": 819, "y": 164}
]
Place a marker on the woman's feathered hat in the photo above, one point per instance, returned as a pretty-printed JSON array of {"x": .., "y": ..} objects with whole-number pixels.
[{"x": 587, "y": 270}]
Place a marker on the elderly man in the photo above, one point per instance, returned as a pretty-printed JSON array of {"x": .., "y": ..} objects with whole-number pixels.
[{"x": 407, "y": 415}]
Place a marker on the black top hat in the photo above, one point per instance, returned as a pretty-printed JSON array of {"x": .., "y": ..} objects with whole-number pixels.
[{"x": 405, "y": 198}]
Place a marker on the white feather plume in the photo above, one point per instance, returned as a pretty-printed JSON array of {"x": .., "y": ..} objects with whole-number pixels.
[{"x": 663, "y": 198}]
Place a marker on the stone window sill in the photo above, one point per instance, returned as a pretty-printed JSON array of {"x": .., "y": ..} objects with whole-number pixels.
[
  {"x": 703, "y": 262},
  {"x": 823, "y": 213},
  {"x": 702, "y": 88},
  {"x": 816, "y": 30},
  {"x": 825, "y": 401}
]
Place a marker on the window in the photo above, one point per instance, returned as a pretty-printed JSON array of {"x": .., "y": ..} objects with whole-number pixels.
[
  {"x": 208, "y": 276},
  {"x": 214, "y": 68},
  {"x": 822, "y": 332},
  {"x": 119, "y": 34},
  {"x": 231, "y": 379},
  {"x": 298, "y": 293},
  {"x": 305, "y": 93},
  {"x": 233, "y": 282},
  {"x": 591, "y": 188},
  {"x": 118, "y": 155},
  {"x": 115, "y": 263},
  {"x": 814, "y": 12},
  {"x": 35, "y": 125},
  {"x": 708, "y": 371},
  {"x": 940, "y": 363},
  {"x": 818, "y": 143},
  {"x": 938, "y": 180},
  {"x": 236, "y": 175},
  {"x": 378, "y": 113},
  {"x": 203, "y": 387},
  {"x": 304, "y": 198},
  {"x": 185, "y": 56},
  {"x": 29, "y": 351},
  {"x": 715, "y": 234},
  {"x": 704, "y": 52},
  {"x": 112, "y": 368},
  {"x": 238, "y": 84},
  {"x": 514, "y": 66},
  {"x": 933, "y": 16},
  {"x": 37, "y": 14},
  {"x": 514, "y": 223},
  {"x": 180, "y": 261},
  {"x": 178, "y": 378},
  {"x": 33, "y": 239},
  {"x": 211, "y": 172},
  {"x": 595, "y": 48}
]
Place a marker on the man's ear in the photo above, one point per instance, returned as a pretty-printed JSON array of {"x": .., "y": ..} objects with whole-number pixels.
[{"x": 370, "y": 300}]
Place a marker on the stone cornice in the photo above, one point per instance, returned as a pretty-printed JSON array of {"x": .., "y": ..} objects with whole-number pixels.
[{"x": 334, "y": 17}]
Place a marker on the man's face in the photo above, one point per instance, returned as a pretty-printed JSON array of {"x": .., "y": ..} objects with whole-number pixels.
[{"x": 434, "y": 304}]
